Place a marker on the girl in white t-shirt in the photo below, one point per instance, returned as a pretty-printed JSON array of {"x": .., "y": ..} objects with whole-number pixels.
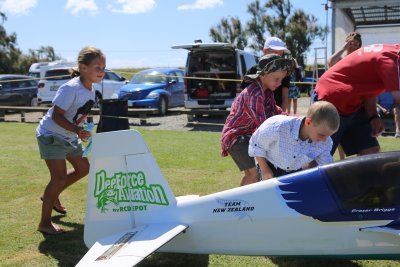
[{"x": 61, "y": 129}]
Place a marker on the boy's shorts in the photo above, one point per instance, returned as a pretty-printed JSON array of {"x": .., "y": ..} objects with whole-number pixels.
[
  {"x": 52, "y": 147},
  {"x": 354, "y": 134},
  {"x": 240, "y": 153}
]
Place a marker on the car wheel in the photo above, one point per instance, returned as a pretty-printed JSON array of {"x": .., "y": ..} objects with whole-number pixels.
[
  {"x": 34, "y": 102},
  {"x": 162, "y": 106}
]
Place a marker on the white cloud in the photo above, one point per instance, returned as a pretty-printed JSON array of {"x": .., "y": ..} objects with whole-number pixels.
[
  {"x": 202, "y": 4},
  {"x": 76, "y": 6},
  {"x": 21, "y": 7},
  {"x": 133, "y": 6}
]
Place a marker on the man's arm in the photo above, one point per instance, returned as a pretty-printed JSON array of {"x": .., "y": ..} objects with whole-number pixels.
[
  {"x": 337, "y": 56},
  {"x": 266, "y": 172},
  {"x": 285, "y": 99},
  {"x": 374, "y": 119}
]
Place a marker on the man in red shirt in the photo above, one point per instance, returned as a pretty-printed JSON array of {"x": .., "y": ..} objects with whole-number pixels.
[{"x": 352, "y": 86}]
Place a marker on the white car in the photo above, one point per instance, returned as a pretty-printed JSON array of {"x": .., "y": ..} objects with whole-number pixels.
[{"x": 53, "y": 78}]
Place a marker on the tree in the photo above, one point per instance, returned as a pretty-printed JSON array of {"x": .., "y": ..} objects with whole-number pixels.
[
  {"x": 297, "y": 30},
  {"x": 277, "y": 18},
  {"x": 229, "y": 30},
  {"x": 256, "y": 26},
  {"x": 12, "y": 60},
  {"x": 302, "y": 29},
  {"x": 44, "y": 53},
  {"x": 9, "y": 53}
]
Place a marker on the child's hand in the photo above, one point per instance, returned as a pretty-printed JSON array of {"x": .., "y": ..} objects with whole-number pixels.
[{"x": 84, "y": 135}]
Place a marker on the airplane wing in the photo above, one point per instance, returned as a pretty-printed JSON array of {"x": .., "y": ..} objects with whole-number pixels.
[
  {"x": 130, "y": 247},
  {"x": 393, "y": 229}
]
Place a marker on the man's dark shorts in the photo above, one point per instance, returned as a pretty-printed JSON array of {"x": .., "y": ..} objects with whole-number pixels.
[
  {"x": 354, "y": 134},
  {"x": 240, "y": 153}
]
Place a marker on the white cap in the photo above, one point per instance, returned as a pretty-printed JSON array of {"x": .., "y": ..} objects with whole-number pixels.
[{"x": 274, "y": 43}]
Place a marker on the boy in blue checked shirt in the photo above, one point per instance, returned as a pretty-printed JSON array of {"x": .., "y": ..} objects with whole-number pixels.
[{"x": 285, "y": 144}]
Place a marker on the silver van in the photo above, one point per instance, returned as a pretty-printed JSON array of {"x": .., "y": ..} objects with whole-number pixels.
[{"x": 213, "y": 74}]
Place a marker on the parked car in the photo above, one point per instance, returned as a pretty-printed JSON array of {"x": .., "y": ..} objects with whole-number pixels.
[
  {"x": 110, "y": 85},
  {"x": 53, "y": 78},
  {"x": 34, "y": 69},
  {"x": 214, "y": 61},
  {"x": 50, "y": 81},
  {"x": 160, "y": 88},
  {"x": 18, "y": 90}
]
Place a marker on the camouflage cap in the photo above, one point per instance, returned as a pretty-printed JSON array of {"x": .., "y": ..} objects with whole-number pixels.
[{"x": 270, "y": 63}]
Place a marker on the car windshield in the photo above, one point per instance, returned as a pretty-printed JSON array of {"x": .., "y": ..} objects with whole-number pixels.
[
  {"x": 57, "y": 74},
  {"x": 149, "y": 77}
]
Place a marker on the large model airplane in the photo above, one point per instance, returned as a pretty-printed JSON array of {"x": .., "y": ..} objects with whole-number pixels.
[{"x": 348, "y": 209}]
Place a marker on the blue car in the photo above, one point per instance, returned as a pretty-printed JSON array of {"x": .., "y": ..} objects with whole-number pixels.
[{"x": 160, "y": 88}]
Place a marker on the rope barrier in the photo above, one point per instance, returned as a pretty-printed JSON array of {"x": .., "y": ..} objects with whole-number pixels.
[
  {"x": 133, "y": 73},
  {"x": 123, "y": 117}
]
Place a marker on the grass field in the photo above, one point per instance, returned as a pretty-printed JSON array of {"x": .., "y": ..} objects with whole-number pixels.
[{"x": 191, "y": 163}]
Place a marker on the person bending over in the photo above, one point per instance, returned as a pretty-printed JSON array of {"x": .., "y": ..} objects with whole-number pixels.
[{"x": 286, "y": 144}]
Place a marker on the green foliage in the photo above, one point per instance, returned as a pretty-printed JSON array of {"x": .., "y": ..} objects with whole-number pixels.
[
  {"x": 296, "y": 28},
  {"x": 12, "y": 60},
  {"x": 257, "y": 25},
  {"x": 196, "y": 168},
  {"x": 229, "y": 31},
  {"x": 277, "y": 18},
  {"x": 9, "y": 53}
]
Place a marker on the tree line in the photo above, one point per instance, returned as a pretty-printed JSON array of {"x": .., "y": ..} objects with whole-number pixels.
[
  {"x": 275, "y": 17},
  {"x": 12, "y": 60}
]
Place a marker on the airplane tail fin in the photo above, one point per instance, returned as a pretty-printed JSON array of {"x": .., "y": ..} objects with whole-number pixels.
[{"x": 124, "y": 181}]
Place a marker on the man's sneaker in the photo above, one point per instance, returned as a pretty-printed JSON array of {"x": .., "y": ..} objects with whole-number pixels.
[{"x": 397, "y": 135}]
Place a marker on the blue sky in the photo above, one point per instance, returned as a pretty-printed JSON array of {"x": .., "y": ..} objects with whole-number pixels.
[{"x": 132, "y": 33}]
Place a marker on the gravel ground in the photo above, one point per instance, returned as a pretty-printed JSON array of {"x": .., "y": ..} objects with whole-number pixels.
[
  {"x": 206, "y": 123},
  {"x": 180, "y": 122},
  {"x": 169, "y": 122}
]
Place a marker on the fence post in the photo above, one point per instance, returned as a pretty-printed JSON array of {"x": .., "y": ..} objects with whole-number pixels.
[{"x": 2, "y": 115}]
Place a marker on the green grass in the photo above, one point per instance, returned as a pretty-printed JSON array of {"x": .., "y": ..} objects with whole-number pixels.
[{"x": 191, "y": 163}]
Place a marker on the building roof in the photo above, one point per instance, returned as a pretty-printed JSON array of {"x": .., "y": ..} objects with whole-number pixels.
[{"x": 368, "y": 13}]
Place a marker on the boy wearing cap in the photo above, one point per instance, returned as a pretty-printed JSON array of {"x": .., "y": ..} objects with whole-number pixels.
[
  {"x": 250, "y": 109},
  {"x": 274, "y": 45},
  {"x": 285, "y": 144}
]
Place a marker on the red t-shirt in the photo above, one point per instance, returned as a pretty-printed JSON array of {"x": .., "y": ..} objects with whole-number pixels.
[{"x": 364, "y": 73}]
